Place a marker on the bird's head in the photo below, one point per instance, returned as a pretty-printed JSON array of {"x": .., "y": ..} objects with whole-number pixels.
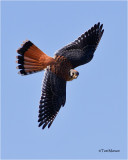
[{"x": 74, "y": 74}]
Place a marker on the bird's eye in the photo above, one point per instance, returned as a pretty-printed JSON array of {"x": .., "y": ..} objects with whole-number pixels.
[{"x": 72, "y": 73}]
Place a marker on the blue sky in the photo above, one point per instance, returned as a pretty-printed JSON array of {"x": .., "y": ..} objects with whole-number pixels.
[{"x": 94, "y": 116}]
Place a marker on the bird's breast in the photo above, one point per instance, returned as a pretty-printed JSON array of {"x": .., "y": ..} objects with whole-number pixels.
[{"x": 62, "y": 67}]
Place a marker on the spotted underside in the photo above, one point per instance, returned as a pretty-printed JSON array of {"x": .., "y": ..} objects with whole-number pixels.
[{"x": 62, "y": 67}]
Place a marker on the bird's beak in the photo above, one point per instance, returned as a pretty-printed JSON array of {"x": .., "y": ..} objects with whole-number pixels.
[{"x": 76, "y": 75}]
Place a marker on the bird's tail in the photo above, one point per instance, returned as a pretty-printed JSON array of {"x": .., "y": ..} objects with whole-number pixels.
[{"x": 31, "y": 59}]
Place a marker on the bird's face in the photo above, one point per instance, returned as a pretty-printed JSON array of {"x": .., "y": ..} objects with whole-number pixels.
[{"x": 74, "y": 74}]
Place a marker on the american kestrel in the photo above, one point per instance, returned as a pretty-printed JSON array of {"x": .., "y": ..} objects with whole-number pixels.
[{"x": 59, "y": 69}]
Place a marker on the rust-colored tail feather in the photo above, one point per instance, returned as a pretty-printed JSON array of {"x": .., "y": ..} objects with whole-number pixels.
[{"x": 31, "y": 59}]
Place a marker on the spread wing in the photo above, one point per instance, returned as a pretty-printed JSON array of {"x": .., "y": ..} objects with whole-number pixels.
[
  {"x": 81, "y": 51},
  {"x": 52, "y": 98}
]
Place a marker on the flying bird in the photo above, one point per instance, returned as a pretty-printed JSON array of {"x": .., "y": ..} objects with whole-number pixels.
[{"x": 58, "y": 70}]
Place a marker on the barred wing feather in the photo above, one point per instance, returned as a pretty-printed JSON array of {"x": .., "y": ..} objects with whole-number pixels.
[
  {"x": 81, "y": 51},
  {"x": 52, "y": 98}
]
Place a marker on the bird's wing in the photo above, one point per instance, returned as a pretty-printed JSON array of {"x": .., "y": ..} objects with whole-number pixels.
[
  {"x": 52, "y": 98},
  {"x": 81, "y": 50}
]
